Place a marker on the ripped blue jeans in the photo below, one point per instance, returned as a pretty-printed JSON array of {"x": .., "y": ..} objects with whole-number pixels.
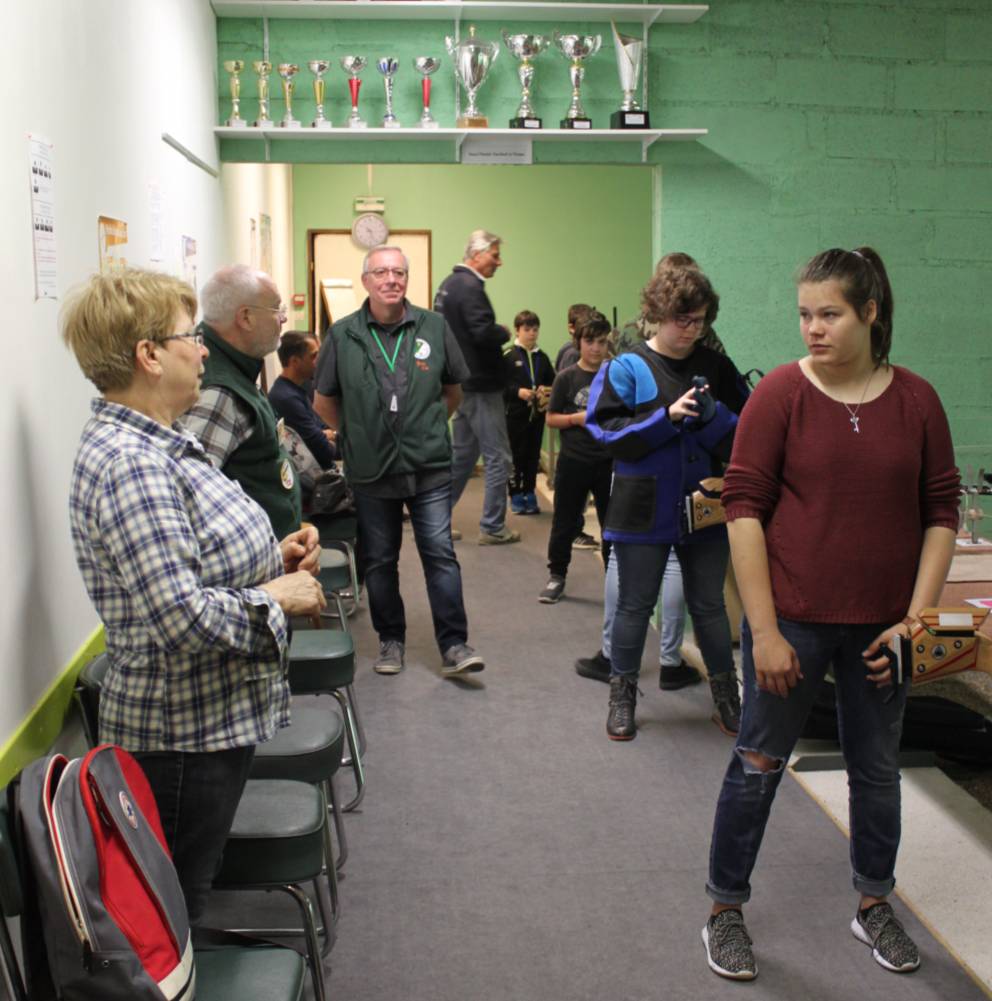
[{"x": 870, "y": 722}]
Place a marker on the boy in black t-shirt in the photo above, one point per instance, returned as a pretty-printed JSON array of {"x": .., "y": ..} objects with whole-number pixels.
[
  {"x": 583, "y": 464},
  {"x": 529, "y": 376}
]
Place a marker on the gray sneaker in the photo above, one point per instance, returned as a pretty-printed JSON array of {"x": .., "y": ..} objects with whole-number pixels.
[
  {"x": 460, "y": 659},
  {"x": 891, "y": 947},
  {"x": 728, "y": 946},
  {"x": 390, "y": 659},
  {"x": 501, "y": 538}
]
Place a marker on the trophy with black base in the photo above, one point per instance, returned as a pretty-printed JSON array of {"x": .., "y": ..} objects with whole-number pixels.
[
  {"x": 577, "y": 48},
  {"x": 629, "y": 51},
  {"x": 524, "y": 48}
]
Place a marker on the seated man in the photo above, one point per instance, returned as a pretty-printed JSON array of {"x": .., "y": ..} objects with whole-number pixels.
[{"x": 298, "y": 356}]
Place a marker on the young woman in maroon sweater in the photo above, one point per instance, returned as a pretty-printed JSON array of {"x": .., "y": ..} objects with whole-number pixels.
[{"x": 842, "y": 500}]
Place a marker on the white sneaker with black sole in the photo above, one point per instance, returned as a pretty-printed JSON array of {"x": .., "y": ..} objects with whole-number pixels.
[
  {"x": 728, "y": 946},
  {"x": 891, "y": 947}
]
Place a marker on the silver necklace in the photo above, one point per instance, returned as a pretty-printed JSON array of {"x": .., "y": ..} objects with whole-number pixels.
[{"x": 854, "y": 413}]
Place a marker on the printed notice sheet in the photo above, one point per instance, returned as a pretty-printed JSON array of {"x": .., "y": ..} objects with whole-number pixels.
[{"x": 43, "y": 217}]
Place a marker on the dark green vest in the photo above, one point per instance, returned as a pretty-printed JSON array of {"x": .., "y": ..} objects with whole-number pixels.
[
  {"x": 372, "y": 447},
  {"x": 260, "y": 464}
]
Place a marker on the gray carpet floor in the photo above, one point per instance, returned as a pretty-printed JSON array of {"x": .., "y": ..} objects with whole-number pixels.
[{"x": 506, "y": 849}]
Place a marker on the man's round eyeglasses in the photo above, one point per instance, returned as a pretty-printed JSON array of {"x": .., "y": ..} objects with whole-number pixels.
[
  {"x": 193, "y": 335},
  {"x": 380, "y": 273},
  {"x": 685, "y": 322}
]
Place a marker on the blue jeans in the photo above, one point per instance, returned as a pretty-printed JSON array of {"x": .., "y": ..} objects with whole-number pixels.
[
  {"x": 641, "y": 567},
  {"x": 870, "y": 722},
  {"x": 380, "y": 535},
  {"x": 672, "y": 609},
  {"x": 197, "y": 795},
  {"x": 479, "y": 428}
]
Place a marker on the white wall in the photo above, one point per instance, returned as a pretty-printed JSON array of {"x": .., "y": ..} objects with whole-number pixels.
[
  {"x": 101, "y": 79},
  {"x": 249, "y": 190}
]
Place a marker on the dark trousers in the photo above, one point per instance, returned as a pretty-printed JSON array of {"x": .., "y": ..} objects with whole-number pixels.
[
  {"x": 197, "y": 795},
  {"x": 380, "y": 535},
  {"x": 526, "y": 433},
  {"x": 574, "y": 481}
]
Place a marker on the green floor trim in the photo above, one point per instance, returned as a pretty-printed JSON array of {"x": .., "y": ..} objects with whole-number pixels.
[{"x": 43, "y": 724}]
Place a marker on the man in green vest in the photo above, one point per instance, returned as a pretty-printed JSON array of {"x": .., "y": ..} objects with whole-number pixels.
[
  {"x": 242, "y": 318},
  {"x": 388, "y": 379}
]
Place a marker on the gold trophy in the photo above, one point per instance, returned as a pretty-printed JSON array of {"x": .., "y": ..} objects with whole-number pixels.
[
  {"x": 263, "y": 69},
  {"x": 319, "y": 67},
  {"x": 287, "y": 71},
  {"x": 234, "y": 67}
]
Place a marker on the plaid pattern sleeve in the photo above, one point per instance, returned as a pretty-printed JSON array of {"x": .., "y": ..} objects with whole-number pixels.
[
  {"x": 220, "y": 421},
  {"x": 172, "y": 553}
]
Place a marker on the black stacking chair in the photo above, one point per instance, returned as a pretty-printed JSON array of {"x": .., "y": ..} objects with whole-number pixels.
[
  {"x": 248, "y": 974},
  {"x": 280, "y": 840}
]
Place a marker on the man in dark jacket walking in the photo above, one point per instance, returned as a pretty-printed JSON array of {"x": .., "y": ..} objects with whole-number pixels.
[
  {"x": 479, "y": 426},
  {"x": 387, "y": 380}
]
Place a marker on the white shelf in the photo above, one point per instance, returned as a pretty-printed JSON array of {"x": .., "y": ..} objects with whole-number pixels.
[
  {"x": 646, "y": 137},
  {"x": 460, "y": 10}
]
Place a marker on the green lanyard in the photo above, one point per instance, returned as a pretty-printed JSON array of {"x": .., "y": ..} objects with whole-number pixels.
[{"x": 391, "y": 362}]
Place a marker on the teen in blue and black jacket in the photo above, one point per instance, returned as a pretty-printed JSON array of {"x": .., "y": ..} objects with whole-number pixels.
[{"x": 666, "y": 436}]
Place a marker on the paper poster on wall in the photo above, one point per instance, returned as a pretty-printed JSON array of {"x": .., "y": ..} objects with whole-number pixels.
[
  {"x": 43, "y": 217},
  {"x": 265, "y": 242},
  {"x": 112, "y": 242},
  {"x": 156, "y": 219},
  {"x": 252, "y": 243},
  {"x": 189, "y": 261}
]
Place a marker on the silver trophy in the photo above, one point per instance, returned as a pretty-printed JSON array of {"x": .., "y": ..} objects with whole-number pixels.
[
  {"x": 577, "y": 48},
  {"x": 472, "y": 58},
  {"x": 263, "y": 69},
  {"x": 234, "y": 67},
  {"x": 630, "y": 52},
  {"x": 287, "y": 71},
  {"x": 354, "y": 65},
  {"x": 388, "y": 66},
  {"x": 425, "y": 66},
  {"x": 319, "y": 67},
  {"x": 525, "y": 48}
]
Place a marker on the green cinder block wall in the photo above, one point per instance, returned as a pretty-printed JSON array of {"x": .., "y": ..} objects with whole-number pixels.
[{"x": 835, "y": 124}]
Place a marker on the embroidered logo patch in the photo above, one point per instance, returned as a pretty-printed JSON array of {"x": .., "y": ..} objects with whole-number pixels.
[
  {"x": 421, "y": 349},
  {"x": 129, "y": 813}
]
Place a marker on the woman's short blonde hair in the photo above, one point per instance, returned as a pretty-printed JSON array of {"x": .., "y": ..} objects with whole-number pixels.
[{"x": 104, "y": 319}]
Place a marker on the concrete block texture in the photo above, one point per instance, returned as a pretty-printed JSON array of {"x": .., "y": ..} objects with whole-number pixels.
[
  {"x": 896, "y": 32},
  {"x": 942, "y": 87},
  {"x": 969, "y": 138},
  {"x": 831, "y": 81},
  {"x": 969, "y": 36},
  {"x": 882, "y": 136}
]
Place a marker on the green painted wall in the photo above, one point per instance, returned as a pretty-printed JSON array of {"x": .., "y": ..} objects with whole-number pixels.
[
  {"x": 569, "y": 235},
  {"x": 834, "y": 124}
]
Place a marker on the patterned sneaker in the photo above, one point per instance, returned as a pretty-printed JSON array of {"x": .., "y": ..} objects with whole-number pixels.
[
  {"x": 728, "y": 946},
  {"x": 390, "y": 659},
  {"x": 553, "y": 591},
  {"x": 500, "y": 538},
  {"x": 891, "y": 947},
  {"x": 460, "y": 659},
  {"x": 584, "y": 541}
]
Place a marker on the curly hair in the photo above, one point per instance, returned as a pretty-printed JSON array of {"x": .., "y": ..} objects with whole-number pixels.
[{"x": 676, "y": 290}]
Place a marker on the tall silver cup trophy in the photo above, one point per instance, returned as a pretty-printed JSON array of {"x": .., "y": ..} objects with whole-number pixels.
[
  {"x": 472, "y": 58},
  {"x": 388, "y": 66},
  {"x": 577, "y": 48},
  {"x": 525, "y": 48},
  {"x": 319, "y": 67},
  {"x": 234, "y": 67},
  {"x": 629, "y": 52}
]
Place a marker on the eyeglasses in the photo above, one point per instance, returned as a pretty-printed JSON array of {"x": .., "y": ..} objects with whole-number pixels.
[
  {"x": 380, "y": 273},
  {"x": 193, "y": 335},
  {"x": 685, "y": 322},
  {"x": 279, "y": 310}
]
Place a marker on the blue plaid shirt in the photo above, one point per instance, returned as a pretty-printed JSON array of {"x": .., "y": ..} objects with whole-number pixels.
[{"x": 172, "y": 553}]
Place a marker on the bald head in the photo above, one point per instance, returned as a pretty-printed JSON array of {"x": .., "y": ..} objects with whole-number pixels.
[{"x": 244, "y": 307}]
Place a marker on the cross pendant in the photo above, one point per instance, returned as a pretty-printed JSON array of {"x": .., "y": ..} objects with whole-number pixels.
[{"x": 854, "y": 423}]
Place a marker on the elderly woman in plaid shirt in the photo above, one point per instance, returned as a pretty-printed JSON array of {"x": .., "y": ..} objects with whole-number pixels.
[{"x": 192, "y": 587}]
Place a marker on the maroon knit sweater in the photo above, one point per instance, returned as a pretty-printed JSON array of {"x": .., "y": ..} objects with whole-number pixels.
[{"x": 843, "y": 513}]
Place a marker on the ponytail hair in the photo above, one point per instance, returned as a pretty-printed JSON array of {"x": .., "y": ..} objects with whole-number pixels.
[{"x": 863, "y": 279}]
